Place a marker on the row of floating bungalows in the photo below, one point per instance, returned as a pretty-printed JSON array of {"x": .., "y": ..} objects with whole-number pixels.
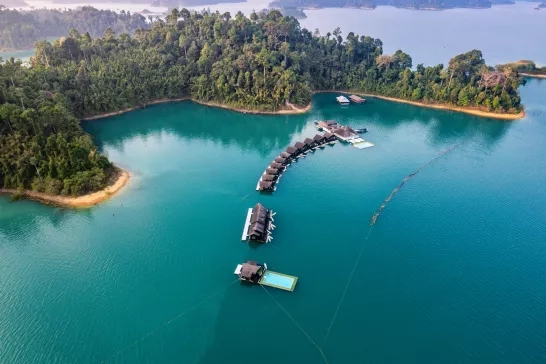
[{"x": 273, "y": 172}]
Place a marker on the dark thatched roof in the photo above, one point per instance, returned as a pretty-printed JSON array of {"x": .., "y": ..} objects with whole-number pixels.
[
  {"x": 285, "y": 155},
  {"x": 268, "y": 177},
  {"x": 248, "y": 270},
  {"x": 299, "y": 145},
  {"x": 330, "y": 122},
  {"x": 257, "y": 228},
  {"x": 273, "y": 171},
  {"x": 309, "y": 141},
  {"x": 265, "y": 185},
  {"x": 275, "y": 165},
  {"x": 291, "y": 150},
  {"x": 280, "y": 159},
  {"x": 318, "y": 138}
]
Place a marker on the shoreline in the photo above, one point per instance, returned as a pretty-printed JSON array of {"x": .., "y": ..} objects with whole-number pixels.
[
  {"x": 292, "y": 111},
  {"x": 84, "y": 201},
  {"x": 532, "y": 75},
  {"x": 475, "y": 112}
]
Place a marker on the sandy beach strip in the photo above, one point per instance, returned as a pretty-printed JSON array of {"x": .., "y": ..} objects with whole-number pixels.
[{"x": 84, "y": 201}]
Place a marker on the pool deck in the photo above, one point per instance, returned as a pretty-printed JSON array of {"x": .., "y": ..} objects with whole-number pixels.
[
  {"x": 247, "y": 224},
  {"x": 285, "y": 288}
]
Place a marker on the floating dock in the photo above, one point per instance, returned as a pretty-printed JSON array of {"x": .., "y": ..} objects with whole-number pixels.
[
  {"x": 357, "y": 99},
  {"x": 247, "y": 224},
  {"x": 279, "y": 280},
  {"x": 342, "y": 100}
]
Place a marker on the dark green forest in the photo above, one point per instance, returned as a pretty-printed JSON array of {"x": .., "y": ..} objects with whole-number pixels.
[
  {"x": 261, "y": 63},
  {"x": 22, "y": 29}
]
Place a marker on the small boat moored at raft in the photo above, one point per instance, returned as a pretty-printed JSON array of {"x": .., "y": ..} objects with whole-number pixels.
[{"x": 254, "y": 272}]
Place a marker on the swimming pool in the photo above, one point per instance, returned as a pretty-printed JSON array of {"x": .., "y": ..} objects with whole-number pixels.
[{"x": 279, "y": 280}]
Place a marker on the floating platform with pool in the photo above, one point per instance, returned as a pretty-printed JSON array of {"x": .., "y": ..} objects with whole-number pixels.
[
  {"x": 278, "y": 280},
  {"x": 254, "y": 272}
]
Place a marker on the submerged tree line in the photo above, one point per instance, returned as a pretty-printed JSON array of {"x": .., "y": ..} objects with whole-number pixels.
[{"x": 261, "y": 63}]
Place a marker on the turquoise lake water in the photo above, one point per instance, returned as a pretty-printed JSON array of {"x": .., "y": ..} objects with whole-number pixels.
[{"x": 453, "y": 271}]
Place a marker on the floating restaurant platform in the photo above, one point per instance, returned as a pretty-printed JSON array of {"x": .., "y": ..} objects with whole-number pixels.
[
  {"x": 258, "y": 273},
  {"x": 344, "y": 133}
]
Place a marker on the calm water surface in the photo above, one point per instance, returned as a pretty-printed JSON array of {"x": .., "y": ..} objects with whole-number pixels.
[{"x": 453, "y": 271}]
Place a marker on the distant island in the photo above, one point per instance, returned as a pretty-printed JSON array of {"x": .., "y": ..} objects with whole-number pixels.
[
  {"x": 178, "y": 3},
  {"x": 404, "y": 4},
  {"x": 371, "y": 4},
  {"x": 295, "y": 12},
  {"x": 22, "y": 29},
  {"x": 266, "y": 63},
  {"x": 525, "y": 68},
  {"x": 12, "y": 4},
  {"x": 541, "y": 6}
]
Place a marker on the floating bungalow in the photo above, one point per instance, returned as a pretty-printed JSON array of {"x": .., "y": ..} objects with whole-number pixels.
[
  {"x": 273, "y": 171},
  {"x": 258, "y": 224},
  {"x": 285, "y": 155},
  {"x": 309, "y": 143},
  {"x": 319, "y": 139},
  {"x": 292, "y": 151},
  {"x": 269, "y": 177},
  {"x": 265, "y": 186},
  {"x": 282, "y": 160},
  {"x": 275, "y": 165},
  {"x": 250, "y": 271},
  {"x": 357, "y": 99},
  {"x": 300, "y": 147},
  {"x": 254, "y": 272},
  {"x": 329, "y": 137},
  {"x": 342, "y": 100}
]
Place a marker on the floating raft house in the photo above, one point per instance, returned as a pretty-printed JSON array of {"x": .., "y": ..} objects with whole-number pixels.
[
  {"x": 342, "y": 100},
  {"x": 357, "y": 99},
  {"x": 253, "y": 272},
  {"x": 258, "y": 224}
]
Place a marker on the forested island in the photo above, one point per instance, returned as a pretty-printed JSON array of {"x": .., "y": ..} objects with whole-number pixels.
[
  {"x": 22, "y": 29},
  {"x": 263, "y": 63},
  {"x": 371, "y": 4},
  {"x": 526, "y": 68}
]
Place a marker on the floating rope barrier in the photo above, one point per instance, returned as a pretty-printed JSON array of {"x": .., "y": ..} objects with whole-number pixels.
[
  {"x": 376, "y": 215},
  {"x": 297, "y": 325},
  {"x": 169, "y": 322},
  {"x": 374, "y": 219}
]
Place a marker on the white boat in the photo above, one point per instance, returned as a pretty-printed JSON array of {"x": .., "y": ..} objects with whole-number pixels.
[{"x": 342, "y": 100}]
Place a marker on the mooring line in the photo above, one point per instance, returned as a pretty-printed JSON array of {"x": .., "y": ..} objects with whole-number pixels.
[
  {"x": 168, "y": 322},
  {"x": 297, "y": 325},
  {"x": 347, "y": 285}
]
